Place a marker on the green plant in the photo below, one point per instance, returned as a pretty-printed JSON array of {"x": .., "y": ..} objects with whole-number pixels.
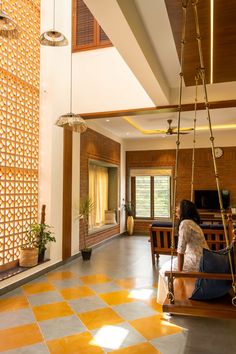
[
  {"x": 30, "y": 242},
  {"x": 41, "y": 236},
  {"x": 129, "y": 208},
  {"x": 86, "y": 208}
]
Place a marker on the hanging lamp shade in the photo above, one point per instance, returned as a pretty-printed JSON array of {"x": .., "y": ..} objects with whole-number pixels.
[
  {"x": 73, "y": 122},
  {"x": 53, "y": 38},
  {"x": 8, "y": 27}
]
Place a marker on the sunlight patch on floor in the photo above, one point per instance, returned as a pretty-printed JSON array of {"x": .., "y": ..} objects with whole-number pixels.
[
  {"x": 141, "y": 294},
  {"x": 110, "y": 337}
]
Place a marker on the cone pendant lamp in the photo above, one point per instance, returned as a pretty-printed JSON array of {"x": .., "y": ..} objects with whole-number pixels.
[
  {"x": 72, "y": 121},
  {"x": 8, "y": 27},
  {"x": 53, "y": 38}
]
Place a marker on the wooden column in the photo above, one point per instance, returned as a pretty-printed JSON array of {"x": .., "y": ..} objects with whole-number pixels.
[{"x": 67, "y": 194}]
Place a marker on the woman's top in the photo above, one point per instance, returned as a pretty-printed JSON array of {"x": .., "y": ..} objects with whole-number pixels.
[{"x": 191, "y": 242}]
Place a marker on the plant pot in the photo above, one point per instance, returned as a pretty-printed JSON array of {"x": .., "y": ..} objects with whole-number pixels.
[
  {"x": 28, "y": 257},
  {"x": 86, "y": 254},
  {"x": 41, "y": 256},
  {"x": 130, "y": 225}
]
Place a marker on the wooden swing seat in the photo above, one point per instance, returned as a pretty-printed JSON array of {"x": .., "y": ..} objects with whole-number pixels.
[{"x": 184, "y": 283}]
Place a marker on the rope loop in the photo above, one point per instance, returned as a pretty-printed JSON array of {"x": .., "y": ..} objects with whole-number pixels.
[
  {"x": 234, "y": 301},
  {"x": 171, "y": 297}
]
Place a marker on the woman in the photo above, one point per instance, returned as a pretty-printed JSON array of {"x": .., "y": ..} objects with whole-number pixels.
[{"x": 191, "y": 242}]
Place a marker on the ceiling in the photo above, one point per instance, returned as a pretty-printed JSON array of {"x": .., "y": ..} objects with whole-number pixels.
[{"x": 147, "y": 34}]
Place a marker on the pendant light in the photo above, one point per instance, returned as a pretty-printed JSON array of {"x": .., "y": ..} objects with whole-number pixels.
[
  {"x": 8, "y": 27},
  {"x": 52, "y": 37},
  {"x": 72, "y": 121}
]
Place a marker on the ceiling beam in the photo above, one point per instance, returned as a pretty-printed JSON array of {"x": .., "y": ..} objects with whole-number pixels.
[
  {"x": 123, "y": 25},
  {"x": 158, "y": 109}
]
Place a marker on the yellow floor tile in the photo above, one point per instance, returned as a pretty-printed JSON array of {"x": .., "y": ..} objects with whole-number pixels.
[
  {"x": 154, "y": 327},
  {"x": 143, "y": 348},
  {"x": 13, "y": 303},
  {"x": 35, "y": 288},
  {"x": 95, "y": 279},
  {"x": 132, "y": 283},
  {"x": 16, "y": 337},
  {"x": 98, "y": 318},
  {"x": 78, "y": 343},
  {"x": 74, "y": 293},
  {"x": 56, "y": 309},
  {"x": 153, "y": 303},
  {"x": 117, "y": 297},
  {"x": 61, "y": 275}
]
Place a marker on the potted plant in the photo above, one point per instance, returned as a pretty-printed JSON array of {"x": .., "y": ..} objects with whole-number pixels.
[
  {"x": 129, "y": 209},
  {"x": 42, "y": 235},
  {"x": 29, "y": 252},
  {"x": 86, "y": 208}
]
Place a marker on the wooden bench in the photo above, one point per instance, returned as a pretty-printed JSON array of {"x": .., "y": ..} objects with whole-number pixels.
[{"x": 160, "y": 238}]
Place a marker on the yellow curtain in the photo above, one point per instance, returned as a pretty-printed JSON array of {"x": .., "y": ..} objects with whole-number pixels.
[{"x": 98, "y": 193}]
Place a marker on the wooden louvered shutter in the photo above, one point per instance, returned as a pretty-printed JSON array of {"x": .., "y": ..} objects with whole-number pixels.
[{"x": 86, "y": 32}]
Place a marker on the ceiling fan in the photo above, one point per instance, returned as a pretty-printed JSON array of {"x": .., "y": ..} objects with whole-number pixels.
[{"x": 173, "y": 130}]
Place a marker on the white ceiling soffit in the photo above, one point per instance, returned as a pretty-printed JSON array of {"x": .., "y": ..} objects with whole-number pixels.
[
  {"x": 156, "y": 22},
  {"x": 122, "y": 22},
  {"x": 223, "y": 120}
]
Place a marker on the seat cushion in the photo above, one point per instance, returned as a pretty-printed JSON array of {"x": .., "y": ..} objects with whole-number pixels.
[
  {"x": 212, "y": 262},
  {"x": 162, "y": 224}
]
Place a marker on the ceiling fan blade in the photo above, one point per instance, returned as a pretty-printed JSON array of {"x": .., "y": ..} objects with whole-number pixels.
[
  {"x": 184, "y": 129},
  {"x": 160, "y": 131}
]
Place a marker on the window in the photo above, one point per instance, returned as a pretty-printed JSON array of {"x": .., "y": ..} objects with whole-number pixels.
[
  {"x": 103, "y": 192},
  {"x": 86, "y": 32},
  {"x": 151, "y": 193}
]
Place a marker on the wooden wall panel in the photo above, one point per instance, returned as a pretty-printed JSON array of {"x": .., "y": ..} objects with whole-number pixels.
[
  {"x": 204, "y": 173},
  {"x": 67, "y": 194},
  {"x": 98, "y": 147}
]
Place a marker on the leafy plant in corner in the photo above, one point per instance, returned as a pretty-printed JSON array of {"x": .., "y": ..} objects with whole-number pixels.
[
  {"x": 86, "y": 208},
  {"x": 129, "y": 208},
  {"x": 41, "y": 234}
]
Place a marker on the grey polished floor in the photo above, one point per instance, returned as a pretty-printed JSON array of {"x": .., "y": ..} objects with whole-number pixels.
[
  {"x": 119, "y": 280},
  {"x": 130, "y": 257}
]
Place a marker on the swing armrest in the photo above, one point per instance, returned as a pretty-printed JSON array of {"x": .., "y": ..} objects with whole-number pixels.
[{"x": 178, "y": 274}]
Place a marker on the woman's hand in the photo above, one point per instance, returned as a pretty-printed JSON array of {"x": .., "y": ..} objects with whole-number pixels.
[{"x": 180, "y": 257}]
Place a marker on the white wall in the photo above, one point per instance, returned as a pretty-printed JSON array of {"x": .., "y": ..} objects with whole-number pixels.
[{"x": 102, "y": 81}]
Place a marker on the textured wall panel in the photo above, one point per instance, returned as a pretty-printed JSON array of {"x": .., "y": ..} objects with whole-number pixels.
[{"x": 19, "y": 127}]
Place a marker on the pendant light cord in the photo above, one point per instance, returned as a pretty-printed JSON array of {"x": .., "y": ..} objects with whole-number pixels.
[
  {"x": 54, "y": 14},
  {"x": 70, "y": 80}
]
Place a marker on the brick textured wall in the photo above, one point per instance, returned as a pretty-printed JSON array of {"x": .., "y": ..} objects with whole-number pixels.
[
  {"x": 98, "y": 147},
  {"x": 204, "y": 171}
]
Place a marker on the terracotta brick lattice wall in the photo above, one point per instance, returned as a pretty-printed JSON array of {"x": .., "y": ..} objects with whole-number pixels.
[
  {"x": 204, "y": 172},
  {"x": 98, "y": 147},
  {"x": 19, "y": 128}
]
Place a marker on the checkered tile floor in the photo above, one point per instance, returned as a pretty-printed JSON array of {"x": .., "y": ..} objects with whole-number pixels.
[{"x": 63, "y": 312}]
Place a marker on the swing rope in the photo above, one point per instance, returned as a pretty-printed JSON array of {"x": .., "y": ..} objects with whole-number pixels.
[
  {"x": 203, "y": 79},
  {"x": 170, "y": 294},
  {"x": 194, "y": 134},
  {"x": 201, "y": 75}
]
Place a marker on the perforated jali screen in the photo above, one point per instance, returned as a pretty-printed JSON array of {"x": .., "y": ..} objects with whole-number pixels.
[{"x": 19, "y": 127}]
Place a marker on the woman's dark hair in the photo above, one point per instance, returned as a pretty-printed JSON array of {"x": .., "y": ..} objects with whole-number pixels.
[{"x": 188, "y": 211}]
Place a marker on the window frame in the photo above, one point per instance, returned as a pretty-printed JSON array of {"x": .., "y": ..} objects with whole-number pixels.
[
  {"x": 96, "y": 44},
  {"x": 133, "y": 199}
]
